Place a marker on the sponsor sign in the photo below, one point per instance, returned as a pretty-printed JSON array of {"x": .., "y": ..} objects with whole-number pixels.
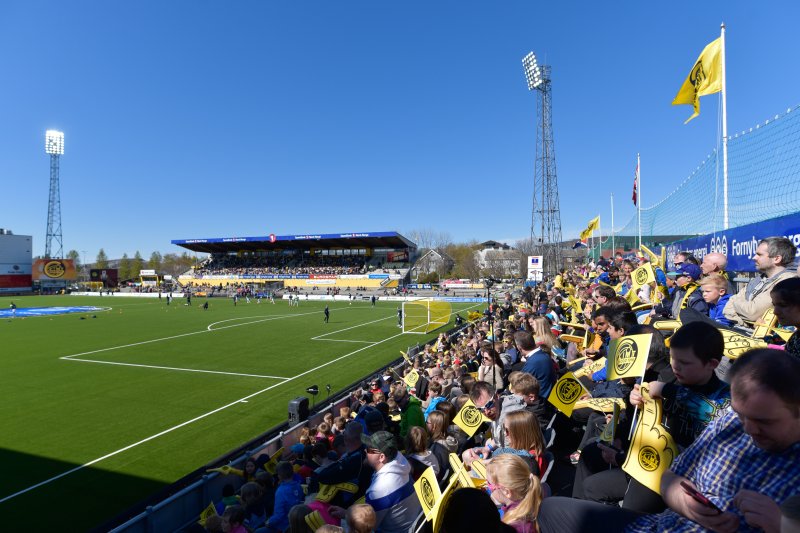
[{"x": 54, "y": 270}]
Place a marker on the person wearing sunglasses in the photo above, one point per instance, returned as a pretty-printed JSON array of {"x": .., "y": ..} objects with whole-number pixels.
[{"x": 488, "y": 402}]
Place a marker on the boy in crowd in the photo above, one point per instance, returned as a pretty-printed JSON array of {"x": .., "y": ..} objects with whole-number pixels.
[
  {"x": 715, "y": 294},
  {"x": 288, "y": 494}
]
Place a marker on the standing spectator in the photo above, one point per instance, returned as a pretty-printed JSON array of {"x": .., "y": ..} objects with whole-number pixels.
[{"x": 391, "y": 493}]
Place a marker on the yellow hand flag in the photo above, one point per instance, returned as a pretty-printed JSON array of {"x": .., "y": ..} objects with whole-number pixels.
[
  {"x": 611, "y": 427},
  {"x": 462, "y": 478},
  {"x": 428, "y": 492},
  {"x": 704, "y": 78},
  {"x": 411, "y": 378},
  {"x": 405, "y": 356},
  {"x": 270, "y": 465},
  {"x": 603, "y": 405},
  {"x": 479, "y": 468},
  {"x": 469, "y": 418},
  {"x": 736, "y": 344},
  {"x": 627, "y": 356},
  {"x": 652, "y": 448},
  {"x": 654, "y": 259},
  {"x": 207, "y": 513},
  {"x": 642, "y": 276},
  {"x": 566, "y": 392}
]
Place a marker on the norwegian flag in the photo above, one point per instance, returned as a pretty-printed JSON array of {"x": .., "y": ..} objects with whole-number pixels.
[{"x": 636, "y": 185}]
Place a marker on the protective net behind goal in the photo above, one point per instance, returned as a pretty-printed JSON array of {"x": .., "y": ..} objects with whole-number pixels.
[{"x": 424, "y": 316}]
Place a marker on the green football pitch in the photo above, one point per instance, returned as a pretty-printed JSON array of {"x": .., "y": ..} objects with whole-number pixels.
[{"x": 101, "y": 409}]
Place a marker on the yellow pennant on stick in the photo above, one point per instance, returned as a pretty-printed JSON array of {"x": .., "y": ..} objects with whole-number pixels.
[
  {"x": 411, "y": 378},
  {"x": 462, "y": 478},
  {"x": 432, "y": 499},
  {"x": 603, "y": 405},
  {"x": 627, "y": 356},
  {"x": 566, "y": 391},
  {"x": 207, "y": 513},
  {"x": 652, "y": 448},
  {"x": 642, "y": 276},
  {"x": 591, "y": 368},
  {"x": 270, "y": 465},
  {"x": 736, "y": 344},
  {"x": 405, "y": 356},
  {"x": 469, "y": 418}
]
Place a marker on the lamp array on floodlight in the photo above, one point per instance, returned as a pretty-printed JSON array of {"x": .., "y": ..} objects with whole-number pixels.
[
  {"x": 532, "y": 71},
  {"x": 54, "y": 142}
]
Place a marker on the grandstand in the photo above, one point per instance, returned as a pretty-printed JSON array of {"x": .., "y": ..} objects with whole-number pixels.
[{"x": 372, "y": 261}]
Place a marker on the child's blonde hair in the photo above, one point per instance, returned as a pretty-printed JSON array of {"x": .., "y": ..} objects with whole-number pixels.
[{"x": 511, "y": 472}]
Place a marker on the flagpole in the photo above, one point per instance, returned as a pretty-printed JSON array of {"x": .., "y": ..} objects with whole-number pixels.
[
  {"x": 724, "y": 134},
  {"x": 600, "y": 238},
  {"x": 613, "y": 248},
  {"x": 639, "y": 197}
]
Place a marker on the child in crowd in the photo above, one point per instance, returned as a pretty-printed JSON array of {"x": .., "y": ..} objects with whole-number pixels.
[
  {"x": 517, "y": 490},
  {"x": 288, "y": 494},
  {"x": 233, "y": 520},
  {"x": 360, "y": 518},
  {"x": 786, "y": 302},
  {"x": 715, "y": 293}
]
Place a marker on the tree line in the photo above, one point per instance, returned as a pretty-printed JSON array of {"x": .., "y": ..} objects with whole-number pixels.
[{"x": 129, "y": 267}]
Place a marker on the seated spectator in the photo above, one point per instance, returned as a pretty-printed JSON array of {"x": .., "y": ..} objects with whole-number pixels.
[
  {"x": 229, "y": 498},
  {"x": 360, "y": 519},
  {"x": 391, "y": 493},
  {"x": 288, "y": 494},
  {"x": 233, "y": 520},
  {"x": 485, "y": 398},
  {"x": 410, "y": 410},
  {"x": 715, "y": 263},
  {"x": 419, "y": 454},
  {"x": 686, "y": 294},
  {"x": 786, "y": 301},
  {"x": 297, "y": 520},
  {"x": 526, "y": 389},
  {"x": 491, "y": 369},
  {"x": 350, "y": 468},
  {"x": 518, "y": 491},
  {"x": 715, "y": 293},
  {"x": 525, "y": 440},
  {"x": 434, "y": 397},
  {"x": 472, "y": 510},
  {"x": 253, "y": 504},
  {"x": 745, "y": 462},
  {"x": 773, "y": 255},
  {"x": 538, "y": 361}
]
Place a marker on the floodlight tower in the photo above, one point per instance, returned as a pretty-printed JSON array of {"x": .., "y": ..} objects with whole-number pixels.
[
  {"x": 546, "y": 213},
  {"x": 54, "y": 145}
]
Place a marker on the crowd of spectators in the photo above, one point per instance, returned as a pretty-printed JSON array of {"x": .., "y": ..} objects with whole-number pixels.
[
  {"x": 736, "y": 425},
  {"x": 229, "y": 265}
]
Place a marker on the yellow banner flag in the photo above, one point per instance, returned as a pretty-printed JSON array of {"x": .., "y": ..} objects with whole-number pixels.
[
  {"x": 736, "y": 344},
  {"x": 610, "y": 431},
  {"x": 604, "y": 405},
  {"x": 627, "y": 356},
  {"x": 652, "y": 448},
  {"x": 469, "y": 418},
  {"x": 594, "y": 223},
  {"x": 207, "y": 513},
  {"x": 704, "y": 78},
  {"x": 411, "y": 378},
  {"x": 642, "y": 276},
  {"x": 566, "y": 392},
  {"x": 591, "y": 368}
]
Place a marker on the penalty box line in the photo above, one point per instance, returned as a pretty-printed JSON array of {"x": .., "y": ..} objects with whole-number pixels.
[{"x": 183, "y": 424}]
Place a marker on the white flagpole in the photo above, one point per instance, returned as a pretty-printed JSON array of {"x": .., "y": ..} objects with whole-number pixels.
[
  {"x": 613, "y": 248},
  {"x": 600, "y": 239},
  {"x": 724, "y": 135},
  {"x": 639, "y": 197}
]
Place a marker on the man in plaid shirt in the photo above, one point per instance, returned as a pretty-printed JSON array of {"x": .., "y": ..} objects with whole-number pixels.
[{"x": 746, "y": 463}]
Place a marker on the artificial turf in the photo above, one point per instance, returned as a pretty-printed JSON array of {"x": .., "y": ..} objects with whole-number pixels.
[{"x": 186, "y": 386}]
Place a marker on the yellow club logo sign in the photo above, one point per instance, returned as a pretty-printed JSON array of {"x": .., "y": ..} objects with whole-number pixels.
[
  {"x": 625, "y": 356},
  {"x": 649, "y": 458},
  {"x": 411, "y": 378},
  {"x": 568, "y": 390},
  {"x": 428, "y": 495},
  {"x": 640, "y": 276},
  {"x": 54, "y": 269},
  {"x": 471, "y": 416}
]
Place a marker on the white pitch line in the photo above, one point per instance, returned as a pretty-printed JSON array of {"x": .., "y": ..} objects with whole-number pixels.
[
  {"x": 195, "y": 419},
  {"x": 344, "y": 340},
  {"x": 72, "y": 358}
]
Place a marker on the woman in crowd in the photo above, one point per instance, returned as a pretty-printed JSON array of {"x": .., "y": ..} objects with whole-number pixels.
[{"x": 491, "y": 369}]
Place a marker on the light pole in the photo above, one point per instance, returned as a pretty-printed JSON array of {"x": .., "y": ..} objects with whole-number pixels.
[{"x": 54, "y": 146}]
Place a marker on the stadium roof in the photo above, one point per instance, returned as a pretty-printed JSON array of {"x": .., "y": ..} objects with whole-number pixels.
[{"x": 381, "y": 239}]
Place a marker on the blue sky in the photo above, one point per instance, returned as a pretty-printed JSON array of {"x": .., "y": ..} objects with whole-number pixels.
[{"x": 188, "y": 119}]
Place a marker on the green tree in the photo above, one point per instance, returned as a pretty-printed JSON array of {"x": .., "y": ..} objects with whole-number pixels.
[
  {"x": 125, "y": 268},
  {"x": 155, "y": 262},
  {"x": 102, "y": 259},
  {"x": 466, "y": 266},
  {"x": 76, "y": 259},
  {"x": 137, "y": 264}
]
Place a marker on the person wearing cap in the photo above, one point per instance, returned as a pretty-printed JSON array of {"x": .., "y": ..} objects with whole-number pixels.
[
  {"x": 391, "y": 493},
  {"x": 686, "y": 294},
  {"x": 350, "y": 468}
]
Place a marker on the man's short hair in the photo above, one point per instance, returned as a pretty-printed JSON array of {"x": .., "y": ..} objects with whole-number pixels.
[
  {"x": 284, "y": 470},
  {"x": 623, "y": 320},
  {"x": 435, "y": 387},
  {"x": 780, "y": 246},
  {"x": 606, "y": 291},
  {"x": 705, "y": 341},
  {"x": 688, "y": 257},
  {"x": 774, "y": 370},
  {"x": 479, "y": 389},
  {"x": 524, "y": 341},
  {"x": 525, "y": 384}
]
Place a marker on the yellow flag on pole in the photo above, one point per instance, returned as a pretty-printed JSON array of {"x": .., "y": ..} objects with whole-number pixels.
[
  {"x": 411, "y": 378},
  {"x": 469, "y": 418},
  {"x": 652, "y": 448},
  {"x": 207, "y": 513},
  {"x": 642, "y": 276},
  {"x": 627, "y": 356},
  {"x": 704, "y": 78},
  {"x": 427, "y": 489},
  {"x": 566, "y": 392}
]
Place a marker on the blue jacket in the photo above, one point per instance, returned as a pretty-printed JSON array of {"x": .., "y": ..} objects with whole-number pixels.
[
  {"x": 288, "y": 494},
  {"x": 715, "y": 310},
  {"x": 541, "y": 366}
]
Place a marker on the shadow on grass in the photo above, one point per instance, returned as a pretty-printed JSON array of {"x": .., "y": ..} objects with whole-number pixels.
[{"x": 80, "y": 501}]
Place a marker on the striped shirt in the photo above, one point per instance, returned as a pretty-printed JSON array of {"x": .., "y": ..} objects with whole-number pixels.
[{"x": 722, "y": 461}]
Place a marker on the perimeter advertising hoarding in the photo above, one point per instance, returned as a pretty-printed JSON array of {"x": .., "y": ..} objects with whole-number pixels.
[
  {"x": 54, "y": 270},
  {"x": 109, "y": 277},
  {"x": 15, "y": 263}
]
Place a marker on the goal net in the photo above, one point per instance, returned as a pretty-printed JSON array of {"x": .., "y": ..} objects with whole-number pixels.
[{"x": 424, "y": 316}]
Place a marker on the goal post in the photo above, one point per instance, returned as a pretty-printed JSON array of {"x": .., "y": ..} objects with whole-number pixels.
[{"x": 424, "y": 316}]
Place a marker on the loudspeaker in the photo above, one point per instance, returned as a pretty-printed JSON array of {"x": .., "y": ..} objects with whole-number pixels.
[{"x": 298, "y": 410}]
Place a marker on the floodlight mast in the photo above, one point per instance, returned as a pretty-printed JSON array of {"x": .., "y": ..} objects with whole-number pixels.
[
  {"x": 54, "y": 146},
  {"x": 546, "y": 212}
]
